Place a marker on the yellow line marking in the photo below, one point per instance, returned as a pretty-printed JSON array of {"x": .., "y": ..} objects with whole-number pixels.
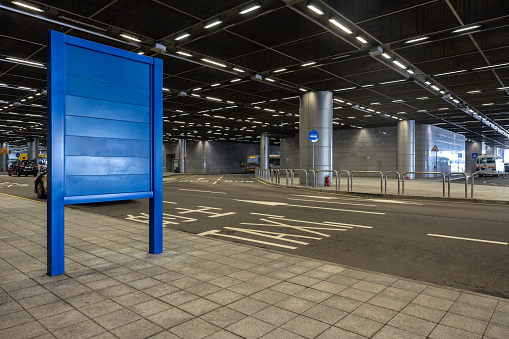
[{"x": 14, "y": 196}]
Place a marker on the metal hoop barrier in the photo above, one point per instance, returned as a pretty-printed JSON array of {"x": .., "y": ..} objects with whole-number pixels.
[
  {"x": 443, "y": 180},
  {"x": 399, "y": 179},
  {"x": 278, "y": 176},
  {"x": 472, "y": 181},
  {"x": 449, "y": 183},
  {"x": 372, "y": 172},
  {"x": 338, "y": 181},
  {"x": 329, "y": 171},
  {"x": 287, "y": 171},
  {"x": 307, "y": 178},
  {"x": 297, "y": 170}
]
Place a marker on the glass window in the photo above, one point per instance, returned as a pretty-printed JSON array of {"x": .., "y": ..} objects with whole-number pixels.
[
  {"x": 491, "y": 160},
  {"x": 482, "y": 160}
]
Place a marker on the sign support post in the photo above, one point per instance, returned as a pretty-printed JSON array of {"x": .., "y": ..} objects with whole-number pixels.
[
  {"x": 313, "y": 137},
  {"x": 435, "y": 149}
]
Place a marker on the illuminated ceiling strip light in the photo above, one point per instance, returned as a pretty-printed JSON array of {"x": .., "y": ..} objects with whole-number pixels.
[
  {"x": 435, "y": 88},
  {"x": 316, "y": 9},
  {"x": 465, "y": 29},
  {"x": 447, "y": 73},
  {"x": 490, "y": 66},
  {"x": 344, "y": 89},
  {"x": 399, "y": 64},
  {"x": 270, "y": 79},
  {"x": 197, "y": 89},
  {"x": 308, "y": 64},
  {"x": 184, "y": 53},
  {"x": 410, "y": 71},
  {"x": 361, "y": 39},
  {"x": 338, "y": 100},
  {"x": 249, "y": 9},
  {"x": 215, "y": 85},
  {"x": 385, "y": 55},
  {"x": 502, "y": 88},
  {"x": 279, "y": 70},
  {"x": 392, "y": 82},
  {"x": 127, "y": 36},
  {"x": 213, "y": 23},
  {"x": 235, "y": 80},
  {"x": 213, "y": 62},
  {"x": 303, "y": 89},
  {"x": 338, "y": 24},
  {"x": 21, "y": 61},
  {"x": 22, "y": 4},
  {"x": 417, "y": 39},
  {"x": 238, "y": 70},
  {"x": 479, "y": 91},
  {"x": 182, "y": 36},
  {"x": 166, "y": 89}
]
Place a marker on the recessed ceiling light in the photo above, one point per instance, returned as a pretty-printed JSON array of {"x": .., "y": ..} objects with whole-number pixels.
[
  {"x": 385, "y": 55},
  {"x": 184, "y": 53},
  {"x": 361, "y": 39},
  {"x": 213, "y": 62},
  {"x": 448, "y": 73},
  {"x": 340, "y": 25},
  {"x": 489, "y": 104},
  {"x": 25, "y": 61},
  {"x": 213, "y": 23},
  {"x": 398, "y": 63},
  {"x": 249, "y": 9},
  {"x": 29, "y": 6},
  {"x": 279, "y": 70},
  {"x": 410, "y": 71},
  {"x": 417, "y": 39},
  {"x": 182, "y": 36},
  {"x": 308, "y": 64},
  {"x": 344, "y": 89},
  {"x": 315, "y": 9},
  {"x": 238, "y": 70},
  {"x": 303, "y": 89},
  {"x": 130, "y": 37},
  {"x": 463, "y": 29}
]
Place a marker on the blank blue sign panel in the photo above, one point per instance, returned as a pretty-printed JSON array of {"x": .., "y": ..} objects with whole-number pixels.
[{"x": 104, "y": 133}]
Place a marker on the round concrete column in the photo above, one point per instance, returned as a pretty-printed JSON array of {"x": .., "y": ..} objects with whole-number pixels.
[
  {"x": 405, "y": 149},
  {"x": 4, "y": 156},
  {"x": 33, "y": 149},
  {"x": 316, "y": 114},
  {"x": 182, "y": 155},
  {"x": 264, "y": 151}
]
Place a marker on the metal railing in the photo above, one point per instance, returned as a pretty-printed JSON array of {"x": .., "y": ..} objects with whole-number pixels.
[
  {"x": 369, "y": 172},
  {"x": 329, "y": 171},
  {"x": 449, "y": 183},
  {"x": 399, "y": 179},
  {"x": 441, "y": 173},
  {"x": 287, "y": 172},
  {"x": 338, "y": 184},
  {"x": 298, "y": 170},
  {"x": 478, "y": 173}
]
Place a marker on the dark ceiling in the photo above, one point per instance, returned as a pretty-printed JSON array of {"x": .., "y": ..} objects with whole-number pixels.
[{"x": 265, "y": 58}]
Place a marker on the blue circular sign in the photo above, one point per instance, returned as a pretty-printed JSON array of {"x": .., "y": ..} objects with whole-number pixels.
[
  {"x": 17, "y": 155},
  {"x": 313, "y": 136}
]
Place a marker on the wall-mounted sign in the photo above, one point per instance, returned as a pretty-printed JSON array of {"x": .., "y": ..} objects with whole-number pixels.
[
  {"x": 313, "y": 136},
  {"x": 474, "y": 155}
]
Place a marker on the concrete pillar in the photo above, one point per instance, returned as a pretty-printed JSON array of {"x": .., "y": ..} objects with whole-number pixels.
[
  {"x": 405, "y": 149},
  {"x": 33, "y": 149},
  {"x": 182, "y": 155},
  {"x": 264, "y": 151},
  {"x": 471, "y": 147},
  {"x": 4, "y": 156},
  {"x": 315, "y": 114}
]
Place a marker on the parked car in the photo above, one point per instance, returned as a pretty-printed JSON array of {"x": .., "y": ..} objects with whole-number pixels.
[
  {"x": 41, "y": 184},
  {"x": 23, "y": 167}
]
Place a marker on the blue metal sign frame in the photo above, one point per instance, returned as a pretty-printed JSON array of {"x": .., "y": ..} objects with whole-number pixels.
[{"x": 104, "y": 133}]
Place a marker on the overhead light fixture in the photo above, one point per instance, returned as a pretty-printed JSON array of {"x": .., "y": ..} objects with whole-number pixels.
[
  {"x": 427, "y": 82},
  {"x": 130, "y": 37},
  {"x": 141, "y": 53},
  {"x": 338, "y": 100},
  {"x": 370, "y": 85},
  {"x": 238, "y": 69},
  {"x": 435, "y": 88},
  {"x": 249, "y": 9},
  {"x": 410, "y": 71},
  {"x": 166, "y": 89},
  {"x": 21, "y": 61},
  {"x": 303, "y": 89},
  {"x": 308, "y": 64},
  {"x": 196, "y": 89},
  {"x": 361, "y": 39},
  {"x": 417, "y": 39},
  {"x": 235, "y": 80},
  {"x": 212, "y": 98},
  {"x": 213, "y": 62},
  {"x": 338, "y": 24},
  {"x": 448, "y": 73},
  {"x": 183, "y": 36},
  {"x": 27, "y": 5},
  {"x": 464, "y": 29},
  {"x": 279, "y": 70},
  {"x": 385, "y": 55},
  {"x": 489, "y": 104},
  {"x": 184, "y": 53},
  {"x": 398, "y": 63},
  {"x": 344, "y": 89},
  {"x": 315, "y": 9},
  {"x": 270, "y": 79},
  {"x": 213, "y": 23},
  {"x": 391, "y": 82},
  {"x": 502, "y": 88},
  {"x": 215, "y": 85},
  {"x": 491, "y": 66}
]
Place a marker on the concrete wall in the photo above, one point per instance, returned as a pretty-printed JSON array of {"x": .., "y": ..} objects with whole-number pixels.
[
  {"x": 215, "y": 156},
  {"x": 471, "y": 147}
]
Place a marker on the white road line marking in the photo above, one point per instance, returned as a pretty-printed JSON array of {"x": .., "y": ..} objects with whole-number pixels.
[
  {"x": 469, "y": 239},
  {"x": 216, "y": 232},
  {"x": 274, "y": 203},
  {"x": 396, "y": 202},
  {"x": 279, "y": 236},
  {"x": 268, "y": 215},
  {"x": 215, "y": 182},
  {"x": 333, "y": 202},
  {"x": 169, "y": 202},
  {"x": 345, "y": 225},
  {"x": 184, "y": 189},
  {"x": 313, "y": 196}
]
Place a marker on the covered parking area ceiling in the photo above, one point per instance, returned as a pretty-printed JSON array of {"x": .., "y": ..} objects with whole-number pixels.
[{"x": 236, "y": 68}]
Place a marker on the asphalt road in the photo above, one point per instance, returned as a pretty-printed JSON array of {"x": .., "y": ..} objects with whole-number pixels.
[{"x": 399, "y": 237}]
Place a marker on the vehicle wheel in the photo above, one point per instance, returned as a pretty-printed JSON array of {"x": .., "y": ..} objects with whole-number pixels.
[
  {"x": 40, "y": 191},
  {"x": 19, "y": 173}
]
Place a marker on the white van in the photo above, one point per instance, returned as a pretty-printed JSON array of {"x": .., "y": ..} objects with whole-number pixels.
[{"x": 489, "y": 165}]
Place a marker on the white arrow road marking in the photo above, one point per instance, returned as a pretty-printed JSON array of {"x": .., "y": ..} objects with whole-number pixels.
[
  {"x": 275, "y": 203},
  {"x": 469, "y": 239},
  {"x": 333, "y": 202},
  {"x": 184, "y": 189},
  {"x": 216, "y": 232}
]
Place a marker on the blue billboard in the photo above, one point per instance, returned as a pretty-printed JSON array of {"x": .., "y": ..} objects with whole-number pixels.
[{"x": 104, "y": 133}]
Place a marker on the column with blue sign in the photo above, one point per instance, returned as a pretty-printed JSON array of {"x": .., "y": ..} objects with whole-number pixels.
[{"x": 313, "y": 137}]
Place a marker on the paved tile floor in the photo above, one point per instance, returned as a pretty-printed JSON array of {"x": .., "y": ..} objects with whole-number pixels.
[{"x": 206, "y": 288}]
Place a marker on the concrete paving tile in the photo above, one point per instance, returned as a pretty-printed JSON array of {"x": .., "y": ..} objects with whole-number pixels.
[
  {"x": 116, "y": 291},
  {"x": 38, "y": 300},
  {"x": 28, "y": 292},
  {"x": 464, "y": 323},
  {"x": 223, "y": 316},
  {"x": 274, "y": 315},
  {"x": 380, "y": 314},
  {"x": 170, "y": 317},
  {"x": 380, "y": 279},
  {"x": 243, "y": 275},
  {"x": 295, "y": 304},
  {"x": 246, "y": 288},
  {"x": 342, "y": 280},
  {"x": 160, "y": 290},
  {"x": 199, "y": 306},
  {"x": 313, "y": 295},
  {"x": 359, "y": 325},
  {"x": 196, "y": 328},
  {"x": 409, "y": 285},
  {"x": 150, "y": 307},
  {"x": 131, "y": 299},
  {"x": 287, "y": 288},
  {"x": 443, "y": 293},
  {"x": 353, "y": 273},
  {"x": 342, "y": 303},
  {"x": 303, "y": 280},
  {"x": 225, "y": 281},
  {"x": 446, "y": 332},
  {"x": 15, "y": 319},
  {"x": 144, "y": 283},
  {"x": 497, "y": 331},
  {"x": 329, "y": 287},
  {"x": 203, "y": 289},
  {"x": 222, "y": 334},
  {"x": 117, "y": 319},
  {"x": 306, "y": 327},
  {"x": 424, "y": 312},
  {"x": 224, "y": 297},
  {"x": 326, "y": 314},
  {"x": 50, "y": 309},
  {"x": 471, "y": 311},
  {"x": 17, "y": 285},
  {"x": 297, "y": 269},
  {"x": 279, "y": 333},
  {"x": 412, "y": 324},
  {"x": 265, "y": 281},
  {"x": 389, "y": 332},
  {"x": 503, "y": 306},
  {"x": 248, "y": 305},
  {"x": 102, "y": 283},
  {"x": 336, "y": 333},
  {"x": 100, "y": 308},
  {"x": 430, "y": 301},
  {"x": 477, "y": 300},
  {"x": 178, "y": 298},
  {"x": 369, "y": 286},
  {"x": 250, "y": 328},
  {"x": 62, "y": 320},
  {"x": 269, "y": 296},
  {"x": 356, "y": 294},
  {"x": 9, "y": 308},
  {"x": 27, "y": 330},
  {"x": 282, "y": 274},
  {"x": 318, "y": 274},
  {"x": 138, "y": 329},
  {"x": 335, "y": 269},
  {"x": 500, "y": 318},
  {"x": 82, "y": 330}
]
